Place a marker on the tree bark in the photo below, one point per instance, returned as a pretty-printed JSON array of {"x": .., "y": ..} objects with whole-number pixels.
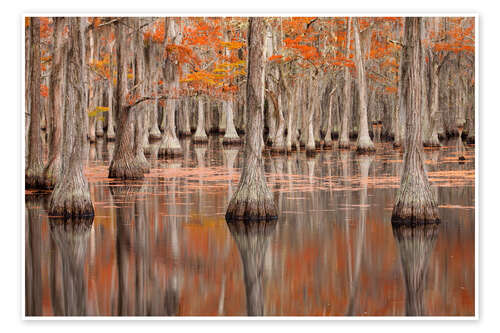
[
  {"x": 34, "y": 166},
  {"x": 170, "y": 145},
  {"x": 71, "y": 195},
  {"x": 200, "y": 136},
  {"x": 123, "y": 165},
  {"x": 364, "y": 144},
  {"x": 346, "y": 112},
  {"x": 110, "y": 131},
  {"x": 140, "y": 135},
  {"x": 230, "y": 136},
  {"x": 253, "y": 199},
  {"x": 52, "y": 171},
  {"x": 415, "y": 202}
]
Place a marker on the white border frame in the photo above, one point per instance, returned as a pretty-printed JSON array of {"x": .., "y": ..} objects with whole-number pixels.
[{"x": 178, "y": 13}]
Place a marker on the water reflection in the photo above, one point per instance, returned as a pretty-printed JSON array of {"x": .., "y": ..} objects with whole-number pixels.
[
  {"x": 71, "y": 240},
  {"x": 415, "y": 245},
  {"x": 252, "y": 239},
  {"x": 34, "y": 253},
  {"x": 161, "y": 246},
  {"x": 364, "y": 167}
]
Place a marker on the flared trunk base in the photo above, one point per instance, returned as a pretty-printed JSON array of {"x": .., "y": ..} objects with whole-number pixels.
[
  {"x": 34, "y": 178},
  {"x": 125, "y": 169},
  {"x": 69, "y": 201}
]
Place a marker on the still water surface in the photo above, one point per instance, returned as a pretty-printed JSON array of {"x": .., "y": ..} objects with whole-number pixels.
[{"x": 161, "y": 246}]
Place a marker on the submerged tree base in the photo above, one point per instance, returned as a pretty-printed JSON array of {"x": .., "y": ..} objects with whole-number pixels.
[
  {"x": 310, "y": 152},
  {"x": 170, "y": 152},
  {"x": 398, "y": 221},
  {"x": 185, "y": 133},
  {"x": 125, "y": 169},
  {"x": 252, "y": 212},
  {"x": 34, "y": 178},
  {"x": 365, "y": 150},
  {"x": 278, "y": 151},
  {"x": 417, "y": 210},
  {"x": 231, "y": 141},
  {"x": 252, "y": 201},
  {"x": 200, "y": 140},
  {"x": 328, "y": 145},
  {"x": 344, "y": 145},
  {"x": 69, "y": 202},
  {"x": 154, "y": 136}
]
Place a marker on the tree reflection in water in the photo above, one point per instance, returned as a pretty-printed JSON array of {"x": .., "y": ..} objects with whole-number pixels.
[
  {"x": 415, "y": 245},
  {"x": 252, "y": 239},
  {"x": 71, "y": 240}
]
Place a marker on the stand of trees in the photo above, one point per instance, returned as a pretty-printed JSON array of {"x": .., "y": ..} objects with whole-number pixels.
[{"x": 281, "y": 84}]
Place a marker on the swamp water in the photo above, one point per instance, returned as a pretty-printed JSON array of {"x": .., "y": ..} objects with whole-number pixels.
[{"x": 161, "y": 246}]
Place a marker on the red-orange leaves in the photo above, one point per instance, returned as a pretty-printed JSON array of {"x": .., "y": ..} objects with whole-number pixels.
[
  {"x": 275, "y": 57},
  {"x": 44, "y": 90}
]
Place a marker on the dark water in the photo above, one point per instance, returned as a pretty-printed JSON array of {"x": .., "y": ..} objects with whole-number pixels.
[{"x": 162, "y": 247}]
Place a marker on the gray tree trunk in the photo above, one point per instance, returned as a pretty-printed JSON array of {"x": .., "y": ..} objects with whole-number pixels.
[
  {"x": 170, "y": 145},
  {"x": 123, "y": 165},
  {"x": 346, "y": 112},
  {"x": 71, "y": 195},
  {"x": 200, "y": 136},
  {"x": 52, "y": 171},
  {"x": 415, "y": 201},
  {"x": 34, "y": 166},
  {"x": 230, "y": 135},
  {"x": 253, "y": 199},
  {"x": 364, "y": 144}
]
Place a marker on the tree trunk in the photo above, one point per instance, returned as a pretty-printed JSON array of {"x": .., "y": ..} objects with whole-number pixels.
[
  {"x": 278, "y": 142},
  {"x": 170, "y": 145},
  {"x": 364, "y": 144},
  {"x": 253, "y": 199},
  {"x": 328, "y": 133},
  {"x": 185, "y": 129},
  {"x": 230, "y": 135},
  {"x": 110, "y": 132},
  {"x": 154, "y": 133},
  {"x": 34, "y": 166},
  {"x": 200, "y": 136},
  {"x": 312, "y": 108},
  {"x": 415, "y": 202},
  {"x": 431, "y": 134},
  {"x": 124, "y": 164},
  {"x": 346, "y": 112},
  {"x": 71, "y": 195},
  {"x": 140, "y": 110},
  {"x": 52, "y": 171}
]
